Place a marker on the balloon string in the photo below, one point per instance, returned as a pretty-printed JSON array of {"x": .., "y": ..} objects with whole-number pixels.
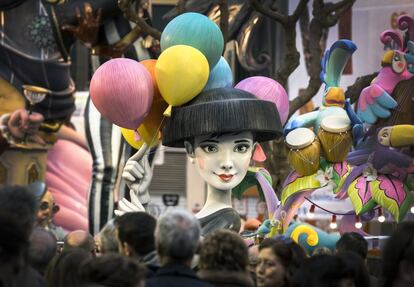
[{"x": 157, "y": 132}]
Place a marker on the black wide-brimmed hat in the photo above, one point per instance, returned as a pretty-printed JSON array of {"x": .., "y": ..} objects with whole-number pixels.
[{"x": 219, "y": 111}]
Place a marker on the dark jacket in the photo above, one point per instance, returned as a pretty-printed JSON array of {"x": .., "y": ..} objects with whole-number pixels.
[
  {"x": 27, "y": 277},
  {"x": 175, "y": 275},
  {"x": 227, "y": 278},
  {"x": 151, "y": 262}
]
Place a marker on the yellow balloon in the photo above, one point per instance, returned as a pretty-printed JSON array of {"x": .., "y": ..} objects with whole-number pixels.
[
  {"x": 181, "y": 73},
  {"x": 148, "y": 135}
]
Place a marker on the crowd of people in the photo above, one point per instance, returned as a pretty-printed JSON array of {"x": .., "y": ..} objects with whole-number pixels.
[{"x": 136, "y": 250}]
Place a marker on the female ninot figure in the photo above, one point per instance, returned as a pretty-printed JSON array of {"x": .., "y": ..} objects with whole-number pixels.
[{"x": 219, "y": 130}]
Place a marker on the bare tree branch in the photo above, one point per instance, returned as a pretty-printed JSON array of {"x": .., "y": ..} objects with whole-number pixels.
[
  {"x": 181, "y": 6},
  {"x": 304, "y": 32},
  {"x": 331, "y": 7},
  {"x": 292, "y": 57},
  {"x": 289, "y": 22},
  {"x": 116, "y": 50},
  {"x": 132, "y": 15},
  {"x": 305, "y": 96},
  {"x": 321, "y": 21},
  {"x": 298, "y": 11},
  {"x": 279, "y": 17},
  {"x": 277, "y": 162},
  {"x": 355, "y": 89},
  {"x": 333, "y": 17},
  {"x": 224, "y": 19}
]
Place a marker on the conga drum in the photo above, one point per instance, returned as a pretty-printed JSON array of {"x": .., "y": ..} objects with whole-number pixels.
[
  {"x": 335, "y": 137},
  {"x": 303, "y": 151}
]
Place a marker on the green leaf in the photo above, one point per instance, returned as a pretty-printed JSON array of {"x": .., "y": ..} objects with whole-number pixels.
[
  {"x": 359, "y": 191},
  {"x": 300, "y": 184},
  {"x": 392, "y": 194}
]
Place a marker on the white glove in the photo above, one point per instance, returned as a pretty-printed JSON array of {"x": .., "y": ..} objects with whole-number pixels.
[
  {"x": 137, "y": 174},
  {"x": 125, "y": 206}
]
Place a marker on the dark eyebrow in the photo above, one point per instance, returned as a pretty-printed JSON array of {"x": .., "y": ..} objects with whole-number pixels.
[
  {"x": 242, "y": 141},
  {"x": 209, "y": 140}
]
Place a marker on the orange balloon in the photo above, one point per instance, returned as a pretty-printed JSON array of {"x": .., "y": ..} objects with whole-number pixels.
[
  {"x": 155, "y": 116},
  {"x": 151, "y": 128},
  {"x": 150, "y": 66}
]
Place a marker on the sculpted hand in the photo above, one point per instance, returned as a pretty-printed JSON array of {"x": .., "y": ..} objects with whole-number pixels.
[
  {"x": 87, "y": 26},
  {"x": 125, "y": 206},
  {"x": 138, "y": 174},
  {"x": 22, "y": 124}
]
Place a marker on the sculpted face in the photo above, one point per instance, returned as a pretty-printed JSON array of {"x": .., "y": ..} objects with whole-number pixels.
[
  {"x": 384, "y": 136},
  {"x": 45, "y": 212},
  {"x": 398, "y": 62},
  {"x": 222, "y": 161}
]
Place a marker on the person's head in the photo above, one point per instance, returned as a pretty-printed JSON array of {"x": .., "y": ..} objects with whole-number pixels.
[
  {"x": 47, "y": 209},
  {"x": 66, "y": 268},
  {"x": 398, "y": 257},
  {"x": 219, "y": 128},
  {"x": 13, "y": 246},
  {"x": 177, "y": 236},
  {"x": 223, "y": 250},
  {"x": 136, "y": 233},
  {"x": 329, "y": 271},
  {"x": 106, "y": 240},
  {"x": 42, "y": 249},
  {"x": 21, "y": 204},
  {"x": 353, "y": 242},
  {"x": 113, "y": 270},
  {"x": 253, "y": 258},
  {"x": 278, "y": 259},
  {"x": 356, "y": 267},
  {"x": 322, "y": 251},
  {"x": 79, "y": 239}
]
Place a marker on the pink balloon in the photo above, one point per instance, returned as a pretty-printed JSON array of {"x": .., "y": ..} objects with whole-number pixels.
[
  {"x": 267, "y": 89},
  {"x": 68, "y": 177},
  {"x": 122, "y": 91}
]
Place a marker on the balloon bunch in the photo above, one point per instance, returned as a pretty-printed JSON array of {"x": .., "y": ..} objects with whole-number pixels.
[{"x": 136, "y": 95}]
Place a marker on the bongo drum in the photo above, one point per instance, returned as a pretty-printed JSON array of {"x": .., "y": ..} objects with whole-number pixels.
[
  {"x": 335, "y": 137},
  {"x": 303, "y": 151}
]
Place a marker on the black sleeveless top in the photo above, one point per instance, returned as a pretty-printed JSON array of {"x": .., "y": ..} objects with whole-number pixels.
[{"x": 226, "y": 218}]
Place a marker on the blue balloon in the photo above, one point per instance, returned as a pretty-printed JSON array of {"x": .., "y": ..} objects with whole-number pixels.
[
  {"x": 221, "y": 76},
  {"x": 196, "y": 30}
]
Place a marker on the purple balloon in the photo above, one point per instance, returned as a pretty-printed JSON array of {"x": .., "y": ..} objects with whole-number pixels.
[
  {"x": 267, "y": 89},
  {"x": 122, "y": 91}
]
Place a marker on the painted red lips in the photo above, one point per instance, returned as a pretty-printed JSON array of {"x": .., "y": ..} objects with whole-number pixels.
[{"x": 225, "y": 177}]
